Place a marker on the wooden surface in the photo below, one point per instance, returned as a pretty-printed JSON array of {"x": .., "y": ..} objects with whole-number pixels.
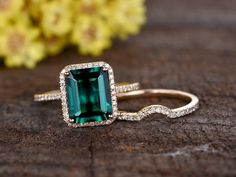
[{"x": 187, "y": 45}]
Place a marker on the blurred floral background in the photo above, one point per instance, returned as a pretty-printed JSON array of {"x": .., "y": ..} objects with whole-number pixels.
[{"x": 31, "y": 30}]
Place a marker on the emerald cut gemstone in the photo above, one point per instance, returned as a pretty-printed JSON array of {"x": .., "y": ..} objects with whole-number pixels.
[{"x": 88, "y": 95}]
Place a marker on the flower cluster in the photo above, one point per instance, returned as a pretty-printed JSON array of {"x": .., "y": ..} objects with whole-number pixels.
[{"x": 32, "y": 29}]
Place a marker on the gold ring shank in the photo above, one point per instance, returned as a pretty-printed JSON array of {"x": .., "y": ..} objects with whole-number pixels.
[
  {"x": 56, "y": 94},
  {"x": 171, "y": 113}
]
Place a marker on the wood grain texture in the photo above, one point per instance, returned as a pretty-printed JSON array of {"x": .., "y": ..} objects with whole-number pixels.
[{"x": 186, "y": 45}]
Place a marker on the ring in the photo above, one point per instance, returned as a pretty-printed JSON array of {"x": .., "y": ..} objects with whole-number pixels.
[
  {"x": 89, "y": 97},
  {"x": 193, "y": 104},
  {"x": 88, "y": 94}
]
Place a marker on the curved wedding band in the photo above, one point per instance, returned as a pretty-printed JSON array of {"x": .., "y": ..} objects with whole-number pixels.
[
  {"x": 171, "y": 113},
  {"x": 56, "y": 94}
]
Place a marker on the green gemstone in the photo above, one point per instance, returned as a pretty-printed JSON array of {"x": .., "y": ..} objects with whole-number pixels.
[{"x": 88, "y": 95}]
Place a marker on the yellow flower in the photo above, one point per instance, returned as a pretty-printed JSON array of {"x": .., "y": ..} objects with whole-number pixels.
[
  {"x": 92, "y": 36},
  {"x": 33, "y": 7},
  {"x": 126, "y": 17},
  {"x": 54, "y": 45},
  {"x": 30, "y": 29},
  {"x": 20, "y": 46},
  {"x": 9, "y": 9},
  {"x": 92, "y": 8},
  {"x": 56, "y": 18}
]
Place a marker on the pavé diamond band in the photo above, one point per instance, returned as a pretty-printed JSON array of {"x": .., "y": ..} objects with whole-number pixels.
[
  {"x": 191, "y": 106},
  {"x": 89, "y": 96},
  {"x": 56, "y": 94}
]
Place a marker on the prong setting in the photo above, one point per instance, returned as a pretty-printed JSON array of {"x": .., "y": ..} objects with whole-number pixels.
[{"x": 66, "y": 73}]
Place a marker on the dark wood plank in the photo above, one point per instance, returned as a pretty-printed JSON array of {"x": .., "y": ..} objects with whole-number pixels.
[{"x": 187, "y": 45}]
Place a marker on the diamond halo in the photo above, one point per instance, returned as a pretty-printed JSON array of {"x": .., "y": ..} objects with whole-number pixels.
[{"x": 65, "y": 111}]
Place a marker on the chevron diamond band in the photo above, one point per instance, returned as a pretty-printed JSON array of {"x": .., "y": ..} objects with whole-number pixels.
[{"x": 193, "y": 104}]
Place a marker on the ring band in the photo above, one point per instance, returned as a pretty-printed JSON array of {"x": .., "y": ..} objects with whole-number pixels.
[
  {"x": 56, "y": 94},
  {"x": 171, "y": 113}
]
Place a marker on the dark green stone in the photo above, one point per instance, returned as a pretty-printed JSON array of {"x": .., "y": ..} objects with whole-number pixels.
[{"x": 88, "y": 95}]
